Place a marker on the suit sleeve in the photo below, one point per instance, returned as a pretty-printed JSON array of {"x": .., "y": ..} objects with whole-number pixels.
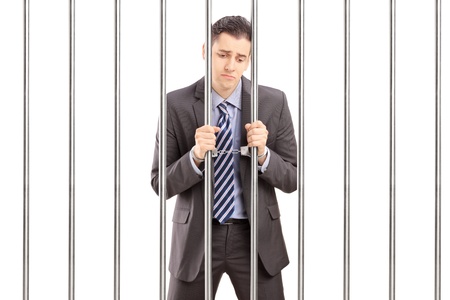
[
  {"x": 180, "y": 174},
  {"x": 281, "y": 172}
]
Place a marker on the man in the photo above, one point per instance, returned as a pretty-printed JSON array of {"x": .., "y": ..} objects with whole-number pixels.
[{"x": 188, "y": 139}]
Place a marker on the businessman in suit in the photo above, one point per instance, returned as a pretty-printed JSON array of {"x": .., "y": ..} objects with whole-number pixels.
[{"x": 188, "y": 140}]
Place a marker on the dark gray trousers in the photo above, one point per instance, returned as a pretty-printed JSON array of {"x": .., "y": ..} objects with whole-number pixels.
[{"x": 231, "y": 255}]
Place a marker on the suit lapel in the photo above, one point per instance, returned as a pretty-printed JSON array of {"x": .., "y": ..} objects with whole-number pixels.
[
  {"x": 245, "y": 118},
  {"x": 246, "y": 109},
  {"x": 199, "y": 106}
]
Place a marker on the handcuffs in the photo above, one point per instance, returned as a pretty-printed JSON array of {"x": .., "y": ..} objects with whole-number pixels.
[{"x": 244, "y": 151}]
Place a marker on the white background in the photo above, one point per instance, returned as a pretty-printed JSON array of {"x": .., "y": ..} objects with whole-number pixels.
[{"x": 278, "y": 67}]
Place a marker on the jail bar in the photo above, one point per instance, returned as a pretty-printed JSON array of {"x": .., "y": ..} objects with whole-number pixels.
[
  {"x": 72, "y": 153},
  {"x": 437, "y": 280},
  {"x": 26, "y": 152},
  {"x": 392, "y": 159},
  {"x": 117, "y": 156},
  {"x": 208, "y": 159},
  {"x": 254, "y": 161},
  {"x": 162, "y": 153},
  {"x": 347, "y": 155},
  {"x": 301, "y": 156}
]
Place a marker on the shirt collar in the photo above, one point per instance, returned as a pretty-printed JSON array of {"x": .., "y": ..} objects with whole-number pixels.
[{"x": 234, "y": 99}]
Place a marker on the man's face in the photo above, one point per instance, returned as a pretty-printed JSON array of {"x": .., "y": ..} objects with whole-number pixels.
[{"x": 230, "y": 58}]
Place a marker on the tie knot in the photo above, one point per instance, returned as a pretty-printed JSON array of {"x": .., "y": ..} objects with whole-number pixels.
[{"x": 223, "y": 108}]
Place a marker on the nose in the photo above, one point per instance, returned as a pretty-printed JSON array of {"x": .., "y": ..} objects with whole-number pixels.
[{"x": 230, "y": 65}]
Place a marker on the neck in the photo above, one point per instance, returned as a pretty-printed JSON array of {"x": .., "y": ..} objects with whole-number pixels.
[{"x": 224, "y": 93}]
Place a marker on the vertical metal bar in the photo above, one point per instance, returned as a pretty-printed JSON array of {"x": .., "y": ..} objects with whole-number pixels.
[
  {"x": 254, "y": 160},
  {"x": 301, "y": 156},
  {"x": 208, "y": 160},
  {"x": 72, "y": 154},
  {"x": 392, "y": 192},
  {"x": 162, "y": 152},
  {"x": 437, "y": 280},
  {"x": 26, "y": 152},
  {"x": 117, "y": 156},
  {"x": 347, "y": 155}
]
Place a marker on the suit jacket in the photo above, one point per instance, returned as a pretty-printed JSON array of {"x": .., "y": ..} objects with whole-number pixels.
[{"x": 185, "y": 113}]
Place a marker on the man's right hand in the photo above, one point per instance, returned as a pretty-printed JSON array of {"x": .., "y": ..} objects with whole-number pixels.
[{"x": 205, "y": 140}]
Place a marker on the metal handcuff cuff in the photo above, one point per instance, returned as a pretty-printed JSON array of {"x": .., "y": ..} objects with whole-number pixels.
[{"x": 244, "y": 151}]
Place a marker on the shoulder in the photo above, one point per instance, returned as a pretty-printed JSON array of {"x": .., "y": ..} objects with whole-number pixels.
[
  {"x": 265, "y": 92},
  {"x": 272, "y": 101},
  {"x": 185, "y": 92},
  {"x": 185, "y": 96},
  {"x": 271, "y": 93}
]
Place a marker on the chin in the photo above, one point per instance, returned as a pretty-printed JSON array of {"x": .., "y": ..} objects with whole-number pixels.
[{"x": 229, "y": 83}]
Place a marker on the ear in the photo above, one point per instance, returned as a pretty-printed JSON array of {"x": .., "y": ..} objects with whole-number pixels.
[{"x": 203, "y": 51}]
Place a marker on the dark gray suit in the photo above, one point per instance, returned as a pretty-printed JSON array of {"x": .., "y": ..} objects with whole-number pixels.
[{"x": 185, "y": 115}]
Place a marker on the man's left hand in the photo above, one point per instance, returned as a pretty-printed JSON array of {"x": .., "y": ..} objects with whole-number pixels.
[{"x": 257, "y": 137}]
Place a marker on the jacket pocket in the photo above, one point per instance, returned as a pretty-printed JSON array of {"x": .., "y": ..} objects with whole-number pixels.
[
  {"x": 274, "y": 211},
  {"x": 180, "y": 216}
]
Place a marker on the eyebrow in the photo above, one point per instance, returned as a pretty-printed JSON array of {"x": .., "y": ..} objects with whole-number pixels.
[{"x": 229, "y": 51}]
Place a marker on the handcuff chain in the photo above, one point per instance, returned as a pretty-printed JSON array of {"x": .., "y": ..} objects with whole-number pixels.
[
  {"x": 220, "y": 152},
  {"x": 244, "y": 151}
]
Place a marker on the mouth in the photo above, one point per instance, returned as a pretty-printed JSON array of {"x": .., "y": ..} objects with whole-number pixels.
[{"x": 227, "y": 76}]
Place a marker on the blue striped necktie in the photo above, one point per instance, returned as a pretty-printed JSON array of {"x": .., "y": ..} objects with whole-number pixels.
[{"x": 223, "y": 168}]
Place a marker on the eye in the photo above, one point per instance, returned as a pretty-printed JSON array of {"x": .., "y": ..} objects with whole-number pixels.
[{"x": 221, "y": 55}]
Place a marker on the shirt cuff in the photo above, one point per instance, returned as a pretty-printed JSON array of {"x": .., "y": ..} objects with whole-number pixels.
[
  {"x": 194, "y": 166},
  {"x": 263, "y": 168}
]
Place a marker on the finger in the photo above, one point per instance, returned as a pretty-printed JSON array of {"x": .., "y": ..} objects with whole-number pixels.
[
  {"x": 256, "y": 124},
  {"x": 204, "y": 135},
  {"x": 257, "y": 139},
  {"x": 208, "y": 129},
  {"x": 258, "y": 132},
  {"x": 206, "y": 141}
]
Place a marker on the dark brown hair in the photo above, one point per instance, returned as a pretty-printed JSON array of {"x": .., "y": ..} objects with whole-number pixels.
[{"x": 236, "y": 26}]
